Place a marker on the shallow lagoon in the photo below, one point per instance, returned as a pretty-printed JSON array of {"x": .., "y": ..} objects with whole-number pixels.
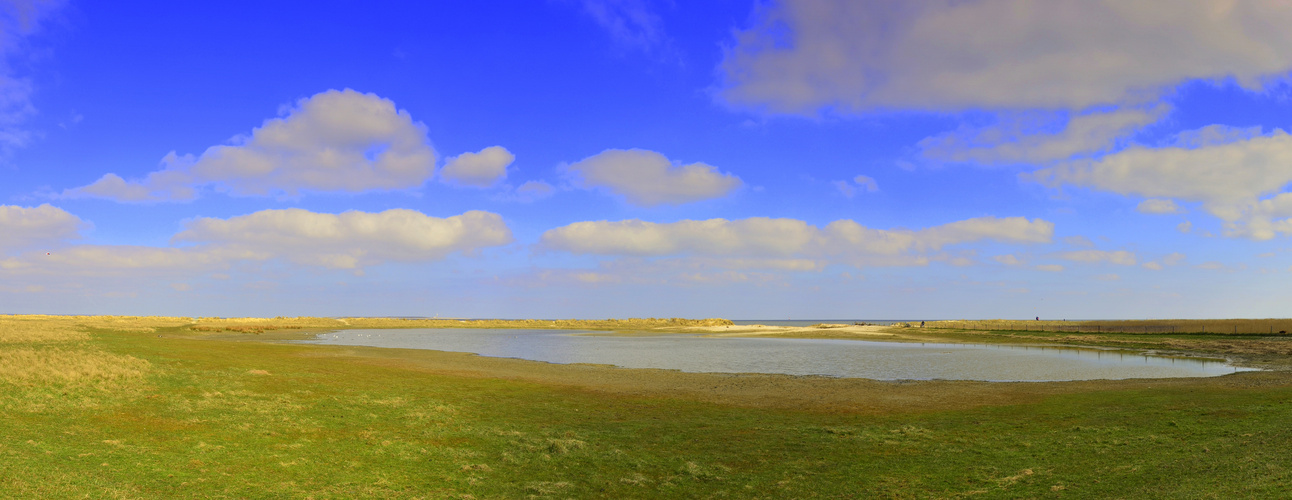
[{"x": 827, "y": 357}]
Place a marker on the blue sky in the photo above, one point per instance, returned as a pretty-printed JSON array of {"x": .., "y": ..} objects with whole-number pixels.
[{"x": 613, "y": 158}]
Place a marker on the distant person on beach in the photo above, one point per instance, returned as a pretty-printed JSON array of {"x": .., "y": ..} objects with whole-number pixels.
[
  {"x": 921, "y": 324},
  {"x": 1038, "y": 318}
]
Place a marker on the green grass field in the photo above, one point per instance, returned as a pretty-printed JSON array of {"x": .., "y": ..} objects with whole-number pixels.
[{"x": 168, "y": 412}]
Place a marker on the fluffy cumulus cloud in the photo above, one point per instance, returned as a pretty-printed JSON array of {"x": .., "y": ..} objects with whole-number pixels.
[
  {"x": 765, "y": 238},
  {"x": 351, "y": 239},
  {"x": 24, "y": 227},
  {"x": 484, "y": 169},
  {"x": 800, "y": 56},
  {"x": 1038, "y": 137},
  {"x": 646, "y": 178},
  {"x": 1237, "y": 174},
  {"x": 334, "y": 141}
]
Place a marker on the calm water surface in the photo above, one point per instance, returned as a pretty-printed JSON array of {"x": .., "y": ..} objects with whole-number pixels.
[{"x": 829, "y": 357}]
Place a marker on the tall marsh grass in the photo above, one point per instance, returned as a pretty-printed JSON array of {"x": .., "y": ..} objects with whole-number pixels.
[
  {"x": 39, "y": 350},
  {"x": 67, "y": 367},
  {"x": 38, "y": 330}
]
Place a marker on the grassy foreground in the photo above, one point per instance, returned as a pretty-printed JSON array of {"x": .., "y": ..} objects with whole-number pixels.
[{"x": 154, "y": 408}]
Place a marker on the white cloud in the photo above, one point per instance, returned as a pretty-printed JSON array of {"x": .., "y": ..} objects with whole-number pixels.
[
  {"x": 550, "y": 277},
  {"x": 1008, "y": 259},
  {"x": 1053, "y": 268},
  {"x": 760, "y": 237},
  {"x": 804, "y": 55},
  {"x": 1228, "y": 170},
  {"x": 484, "y": 169},
  {"x": 1184, "y": 227},
  {"x": 127, "y": 260},
  {"x": 1079, "y": 241},
  {"x": 1171, "y": 259},
  {"x": 25, "y": 227},
  {"x": 1033, "y": 138},
  {"x": 1108, "y": 277},
  {"x": 534, "y": 190},
  {"x": 351, "y": 239},
  {"x": 15, "y": 108},
  {"x": 334, "y": 141},
  {"x": 19, "y": 19},
  {"x": 677, "y": 271},
  {"x": 859, "y": 183},
  {"x": 1119, "y": 257},
  {"x": 846, "y": 188},
  {"x": 866, "y": 183},
  {"x": 1158, "y": 206},
  {"x": 646, "y": 178},
  {"x": 630, "y": 23},
  {"x": 1231, "y": 171},
  {"x": 162, "y": 185}
]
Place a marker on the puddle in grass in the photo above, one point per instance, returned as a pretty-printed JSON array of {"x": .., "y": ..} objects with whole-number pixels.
[{"x": 828, "y": 357}]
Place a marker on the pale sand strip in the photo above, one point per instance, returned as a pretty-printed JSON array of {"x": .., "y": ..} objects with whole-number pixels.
[{"x": 793, "y": 331}]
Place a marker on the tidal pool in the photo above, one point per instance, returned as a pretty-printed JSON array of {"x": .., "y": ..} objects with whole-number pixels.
[{"x": 827, "y": 357}]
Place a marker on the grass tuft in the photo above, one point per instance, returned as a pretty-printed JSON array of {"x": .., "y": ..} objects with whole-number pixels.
[{"x": 27, "y": 367}]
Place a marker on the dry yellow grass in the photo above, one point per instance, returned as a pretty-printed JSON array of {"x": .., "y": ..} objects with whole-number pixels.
[
  {"x": 44, "y": 329},
  {"x": 38, "y": 329},
  {"x": 25, "y": 366},
  {"x": 51, "y": 350}
]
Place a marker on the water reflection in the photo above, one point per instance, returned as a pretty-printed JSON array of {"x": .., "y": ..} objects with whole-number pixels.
[{"x": 829, "y": 357}]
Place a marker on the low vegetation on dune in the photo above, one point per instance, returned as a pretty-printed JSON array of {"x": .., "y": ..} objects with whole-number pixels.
[
  {"x": 260, "y": 325},
  {"x": 156, "y": 408}
]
